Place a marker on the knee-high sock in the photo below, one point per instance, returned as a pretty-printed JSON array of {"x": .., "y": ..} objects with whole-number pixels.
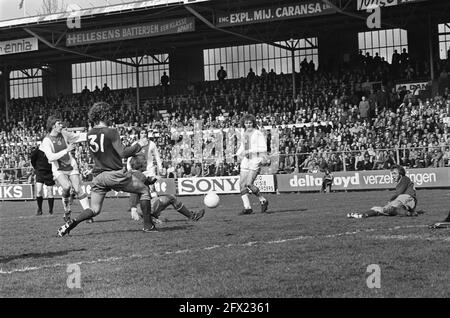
[
  {"x": 255, "y": 191},
  {"x": 39, "y": 202},
  {"x": 51, "y": 202},
  {"x": 181, "y": 208},
  {"x": 84, "y": 201},
  {"x": 84, "y": 215},
  {"x": 370, "y": 213},
  {"x": 246, "y": 201},
  {"x": 66, "y": 204},
  {"x": 147, "y": 213}
]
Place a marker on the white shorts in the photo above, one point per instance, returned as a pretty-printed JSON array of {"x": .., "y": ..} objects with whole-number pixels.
[
  {"x": 58, "y": 173},
  {"x": 403, "y": 200},
  {"x": 251, "y": 164}
]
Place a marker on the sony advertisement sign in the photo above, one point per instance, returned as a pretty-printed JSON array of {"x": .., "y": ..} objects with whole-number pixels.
[
  {"x": 230, "y": 184},
  {"x": 363, "y": 180},
  {"x": 18, "y": 46}
]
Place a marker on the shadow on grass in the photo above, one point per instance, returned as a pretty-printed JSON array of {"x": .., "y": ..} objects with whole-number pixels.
[
  {"x": 10, "y": 258},
  {"x": 286, "y": 210},
  {"x": 105, "y": 221},
  {"x": 160, "y": 229}
]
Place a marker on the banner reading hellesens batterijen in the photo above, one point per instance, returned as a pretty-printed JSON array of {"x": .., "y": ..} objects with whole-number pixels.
[
  {"x": 282, "y": 12},
  {"x": 131, "y": 31},
  {"x": 363, "y": 180}
]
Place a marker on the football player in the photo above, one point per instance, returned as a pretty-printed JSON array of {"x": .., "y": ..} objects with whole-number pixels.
[
  {"x": 57, "y": 146},
  {"x": 109, "y": 173},
  {"x": 402, "y": 203},
  {"x": 253, "y": 154},
  {"x": 138, "y": 164}
]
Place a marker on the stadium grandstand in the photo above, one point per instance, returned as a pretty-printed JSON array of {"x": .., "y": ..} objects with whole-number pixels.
[
  {"x": 352, "y": 97},
  {"x": 331, "y": 92}
]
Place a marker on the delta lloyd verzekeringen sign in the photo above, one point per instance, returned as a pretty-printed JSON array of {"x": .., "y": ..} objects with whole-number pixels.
[
  {"x": 131, "y": 31},
  {"x": 282, "y": 12}
]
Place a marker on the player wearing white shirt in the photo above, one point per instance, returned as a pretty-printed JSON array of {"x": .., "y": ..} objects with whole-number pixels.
[
  {"x": 57, "y": 146},
  {"x": 151, "y": 154},
  {"x": 253, "y": 152}
]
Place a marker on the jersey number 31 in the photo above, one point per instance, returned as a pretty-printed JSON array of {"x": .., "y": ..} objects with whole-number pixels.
[{"x": 93, "y": 145}]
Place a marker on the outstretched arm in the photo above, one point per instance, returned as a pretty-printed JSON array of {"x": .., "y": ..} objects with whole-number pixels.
[{"x": 127, "y": 151}]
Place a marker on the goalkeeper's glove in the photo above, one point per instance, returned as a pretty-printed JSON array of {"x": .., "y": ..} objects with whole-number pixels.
[{"x": 135, "y": 215}]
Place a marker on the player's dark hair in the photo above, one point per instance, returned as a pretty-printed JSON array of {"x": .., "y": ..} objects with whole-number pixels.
[
  {"x": 401, "y": 170},
  {"x": 138, "y": 162},
  {"x": 51, "y": 121},
  {"x": 100, "y": 111},
  {"x": 248, "y": 117}
]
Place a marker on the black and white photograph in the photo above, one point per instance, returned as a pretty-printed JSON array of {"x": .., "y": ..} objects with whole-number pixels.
[{"x": 225, "y": 156}]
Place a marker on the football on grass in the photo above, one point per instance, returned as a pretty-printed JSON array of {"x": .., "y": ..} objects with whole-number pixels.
[{"x": 211, "y": 200}]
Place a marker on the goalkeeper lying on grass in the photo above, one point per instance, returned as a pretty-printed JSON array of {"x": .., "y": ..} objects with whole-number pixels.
[
  {"x": 159, "y": 203},
  {"x": 402, "y": 203}
]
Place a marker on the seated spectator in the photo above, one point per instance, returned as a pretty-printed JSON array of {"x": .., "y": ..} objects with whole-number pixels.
[{"x": 365, "y": 164}]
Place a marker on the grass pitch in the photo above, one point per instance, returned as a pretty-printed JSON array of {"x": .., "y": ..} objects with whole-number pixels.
[{"x": 305, "y": 247}]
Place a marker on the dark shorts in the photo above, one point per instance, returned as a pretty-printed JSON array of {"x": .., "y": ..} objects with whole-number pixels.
[
  {"x": 118, "y": 180},
  {"x": 45, "y": 178}
]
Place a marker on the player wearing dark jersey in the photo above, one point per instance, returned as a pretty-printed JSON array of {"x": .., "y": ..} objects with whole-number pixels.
[
  {"x": 138, "y": 164},
  {"x": 402, "y": 203},
  {"x": 44, "y": 176},
  {"x": 107, "y": 151}
]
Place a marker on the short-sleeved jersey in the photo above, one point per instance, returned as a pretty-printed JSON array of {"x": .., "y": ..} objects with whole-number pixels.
[
  {"x": 106, "y": 149},
  {"x": 54, "y": 148}
]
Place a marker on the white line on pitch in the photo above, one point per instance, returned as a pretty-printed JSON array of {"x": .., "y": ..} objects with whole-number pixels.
[{"x": 247, "y": 244}]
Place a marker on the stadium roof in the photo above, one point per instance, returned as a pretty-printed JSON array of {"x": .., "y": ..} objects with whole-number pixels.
[
  {"x": 91, "y": 12},
  {"x": 52, "y": 30}
]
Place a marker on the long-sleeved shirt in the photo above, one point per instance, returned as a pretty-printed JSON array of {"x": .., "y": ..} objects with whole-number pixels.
[{"x": 404, "y": 186}]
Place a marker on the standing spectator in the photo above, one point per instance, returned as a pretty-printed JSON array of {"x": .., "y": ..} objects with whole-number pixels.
[
  {"x": 364, "y": 108},
  {"x": 251, "y": 75},
  {"x": 105, "y": 89},
  {"x": 404, "y": 58},
  {"x": 165, "y": 80},
  {"x": 221, "y": 74}
]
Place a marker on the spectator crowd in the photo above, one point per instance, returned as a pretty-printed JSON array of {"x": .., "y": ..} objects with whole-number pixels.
[{"x": 353, "y": 118}]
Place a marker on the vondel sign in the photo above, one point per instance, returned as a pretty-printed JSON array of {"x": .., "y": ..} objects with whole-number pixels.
[{"x": 18, "y": 46}]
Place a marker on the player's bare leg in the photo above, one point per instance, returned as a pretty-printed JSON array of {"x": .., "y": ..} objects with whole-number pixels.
[
  {"x": 244, "y": 192},
  {"x": 86, "y": 214},
  {"x": 65, "y": 184},
  {"x": 255, "y": 190}
]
